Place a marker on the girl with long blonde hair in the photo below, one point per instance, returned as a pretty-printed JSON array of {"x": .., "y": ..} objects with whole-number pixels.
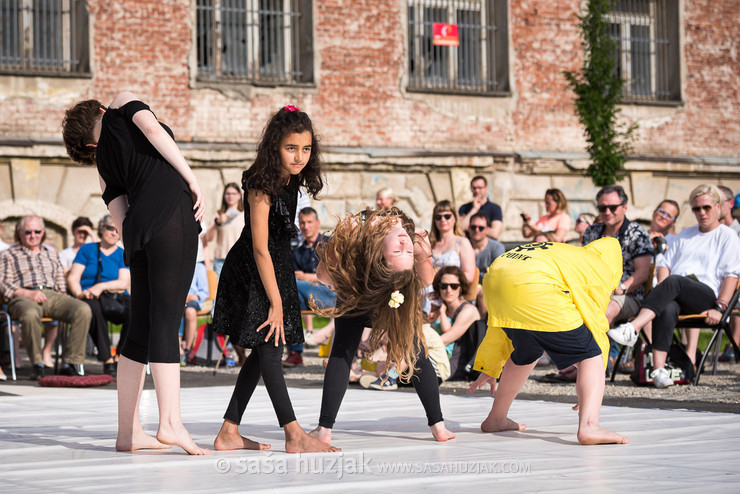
[{"x": 378, "y": 264}]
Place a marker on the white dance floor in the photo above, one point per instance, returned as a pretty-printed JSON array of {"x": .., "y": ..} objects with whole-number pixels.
[{"x": 61, "y": 440}]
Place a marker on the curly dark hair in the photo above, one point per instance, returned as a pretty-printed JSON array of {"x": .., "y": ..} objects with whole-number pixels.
[
  {"x": 265, "y": 172},
  {"x": 77, "y": 127}
]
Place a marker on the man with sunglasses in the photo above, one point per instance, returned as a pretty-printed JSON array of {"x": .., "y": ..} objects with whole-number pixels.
[
  {"x": 637, "y": 251},
  {"x": 32, "y": 281},
  {"x": 480, "y": 203},
  {"x": 486, "y": 249}
]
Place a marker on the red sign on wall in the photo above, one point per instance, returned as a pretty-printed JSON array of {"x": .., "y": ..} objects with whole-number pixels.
[{"x": 445, "y": 34}]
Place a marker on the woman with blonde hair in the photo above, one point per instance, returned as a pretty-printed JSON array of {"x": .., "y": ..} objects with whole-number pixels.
[
  {"x": 554, "y": 225},
  {"x": 378, "y": 263},
  {"x": 449, "y": 246}
]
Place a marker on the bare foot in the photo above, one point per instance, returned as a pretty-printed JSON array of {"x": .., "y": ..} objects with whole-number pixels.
[
  {"x": 297, "y": 441},
  {"x": 490, "y": 425},
  {"x": 140, "y": 441},
  {"x": 179, "y": 436},
  {"x": 441, "y": 433},
  {"x": 599, "y": 435},
  {"x": 228, "y": 440},
  {"x": 322, "y": 434}
]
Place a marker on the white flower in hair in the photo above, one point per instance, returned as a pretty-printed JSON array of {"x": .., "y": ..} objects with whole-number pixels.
[{"x": 396, "y": 300}]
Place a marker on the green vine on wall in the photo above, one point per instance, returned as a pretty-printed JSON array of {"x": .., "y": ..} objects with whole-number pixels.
[{"x": 598, "y": 91}]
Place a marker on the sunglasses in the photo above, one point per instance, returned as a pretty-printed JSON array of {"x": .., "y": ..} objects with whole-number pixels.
[
  {"x": 110, "y": 228},
  {"x": 439, "y": 217},
  {"x": 610, "y": 207},
  {"x": 666, "y": 214},
  {"x": 445, "y": 286},
  {"x": 477, "y": 228},
  {"x": 706, "y": 208},
  {"x": 37, "y": 232}
]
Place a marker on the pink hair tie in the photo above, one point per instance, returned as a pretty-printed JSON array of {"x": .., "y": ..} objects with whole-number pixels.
[{"x": 292, "y": 108}]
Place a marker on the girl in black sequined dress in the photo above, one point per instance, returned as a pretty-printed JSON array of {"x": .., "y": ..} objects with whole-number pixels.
[{"x": 257, "y": 302}]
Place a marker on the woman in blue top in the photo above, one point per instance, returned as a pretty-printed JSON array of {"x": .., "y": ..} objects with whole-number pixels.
[{"x": 99, "y": 267}]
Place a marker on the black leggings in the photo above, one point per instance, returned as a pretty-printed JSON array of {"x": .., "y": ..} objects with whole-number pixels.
[
  {"x": 161, "y": 275},
  {"x": 265, "y": 361},
  {"x": 672, "y": 296},
  {"x": 347, "y": 336}
]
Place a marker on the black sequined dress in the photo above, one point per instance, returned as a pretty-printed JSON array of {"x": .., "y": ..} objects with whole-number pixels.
[{"x": 242, "y": 303}]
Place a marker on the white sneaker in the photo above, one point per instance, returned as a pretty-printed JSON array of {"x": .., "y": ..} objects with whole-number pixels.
[
  {"x": 309, "y": 340},
  {"x": 661, "y": 378},
  {"x": 624, "y": 334}
]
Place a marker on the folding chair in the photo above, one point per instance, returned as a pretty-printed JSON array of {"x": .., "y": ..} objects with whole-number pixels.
[
  {"x": 11, "y": 343},
  {"x": 212, "y": 288},
  {"x": 697, "y": 321}
]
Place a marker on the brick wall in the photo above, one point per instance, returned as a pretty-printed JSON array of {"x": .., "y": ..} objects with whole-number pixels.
[{"x": 359, "y": 100}]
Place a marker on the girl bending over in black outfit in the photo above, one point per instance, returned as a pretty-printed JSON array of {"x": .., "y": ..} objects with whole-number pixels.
[{"x": 156, "y": 204}]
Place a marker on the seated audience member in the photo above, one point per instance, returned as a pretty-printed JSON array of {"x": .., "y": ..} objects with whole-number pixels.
[
  {"x": 32, "y": 281},
  {"x": 554, "y": 225},
  {"x": 449, "y": 246},
  {"x": 305, "y": 263},
  {"x": 384, "y": 379},
  {"x": 664, "y": 219},
  {"x": 456, "y": 321},
  {"x": 582, "y": 223},
  {"x": 698, "y": 274},
  {"x": 729, "y": 217},
  {"x": 486, "y": 250},
  {"x": 661, "y": 226},
  {"x": 82, "y": 233},
  {"x": 637, "y": 251},
  {"x": 99, "y": 267},
  {"x": 725, "y": 216},
  {"x": 195, "y": 302},
  {"x": 384, "y": 198},
  {"x": 480, "y": 202},
  {"x": 3, "y": 377}
]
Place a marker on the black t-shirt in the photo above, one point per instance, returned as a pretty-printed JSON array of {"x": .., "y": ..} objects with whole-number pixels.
[
  {"x": 490, "y": 209},
  {"x": 130, "y": 165}
]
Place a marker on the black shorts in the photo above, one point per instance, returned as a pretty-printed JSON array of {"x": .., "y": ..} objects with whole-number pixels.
[{"x": 565, "y": 348}]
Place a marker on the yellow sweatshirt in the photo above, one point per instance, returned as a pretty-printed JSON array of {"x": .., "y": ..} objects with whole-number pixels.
[{"x": 545, "y": 286}]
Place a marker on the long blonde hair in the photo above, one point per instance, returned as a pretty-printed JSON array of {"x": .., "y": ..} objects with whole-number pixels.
[
  {"x": 364, "y": 282},
  {"x": 443, "y": 206}
]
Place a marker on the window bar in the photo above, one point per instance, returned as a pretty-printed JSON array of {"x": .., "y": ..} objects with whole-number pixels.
[
  {"x": 251, "y": 54},
  {"x": 68, "y": 57},
  {"x": 662, "y": 49},
  {"x": 294, "y": 61}
]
